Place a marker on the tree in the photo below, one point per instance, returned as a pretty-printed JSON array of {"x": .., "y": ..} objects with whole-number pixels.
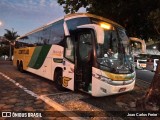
[
  {"x": 4, "y": 50},
  {"x": 154, "y": 17},
  {"x": 72, "y": 6},
  {"x": 11, "y": 36},
  {"x": 132, "y": 14},
  {"x": 152, "y": 97},
  {"x": 150, "y": 101}
]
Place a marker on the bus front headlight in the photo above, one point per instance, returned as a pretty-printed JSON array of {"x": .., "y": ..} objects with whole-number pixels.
[{"x": 114, "y": 82}]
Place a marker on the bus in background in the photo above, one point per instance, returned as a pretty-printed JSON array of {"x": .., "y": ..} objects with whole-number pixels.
[
  {"x": 152, "y": 62},
  {"x": 142, "y": 58},
  {"x": 79, "y": 52},
  {"x": 139, "y": 45},
  {"x": 155, "y": 64},
  {"x": 141, "y": 63},
  {"x": 139, "y": 52}
]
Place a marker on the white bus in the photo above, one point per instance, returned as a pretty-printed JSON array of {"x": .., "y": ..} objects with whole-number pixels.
[
  {"x": 152, "y": 62},
  {"x": 139, "y": 52},
  {"x": 155, "y": 64},
  {"x": 79, "y": 52}
]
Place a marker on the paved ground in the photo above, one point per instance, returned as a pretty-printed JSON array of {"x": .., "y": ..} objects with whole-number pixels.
[
  {"x": 145, "y": 75},
  {"x": 13, "y": 98}
]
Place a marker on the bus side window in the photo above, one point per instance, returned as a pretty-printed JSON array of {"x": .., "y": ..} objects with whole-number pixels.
[
  {"x": 69, "y": 49},
  {"x": 16, "y": 44}
]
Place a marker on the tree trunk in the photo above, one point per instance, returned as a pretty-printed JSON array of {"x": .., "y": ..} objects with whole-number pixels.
[{"x": 151, "y": 100}]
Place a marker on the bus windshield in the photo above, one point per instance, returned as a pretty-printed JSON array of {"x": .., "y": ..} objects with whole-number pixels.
[{"x": 114, "y": 53}]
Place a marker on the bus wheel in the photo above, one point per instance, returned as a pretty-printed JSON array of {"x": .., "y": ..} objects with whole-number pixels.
[
  {"x": 58, "y": 80},
  {"x": 21, "y": 67}
]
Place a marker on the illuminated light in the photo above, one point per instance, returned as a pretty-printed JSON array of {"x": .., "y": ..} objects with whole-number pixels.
[
  {"x": 154, "y": 47},
  {"x": 105, "y": 26},
  {"x": 0, "y": 23}
]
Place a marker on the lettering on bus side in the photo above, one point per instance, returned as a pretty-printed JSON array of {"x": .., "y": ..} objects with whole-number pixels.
[
  {"x": 57, "y": 53},
  {"x": 23, "y": 51}
]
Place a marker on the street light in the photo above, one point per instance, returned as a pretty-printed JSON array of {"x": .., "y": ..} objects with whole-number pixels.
[
  {"x": 154, "y": 47},
  {"x": 0, "y": 23}
]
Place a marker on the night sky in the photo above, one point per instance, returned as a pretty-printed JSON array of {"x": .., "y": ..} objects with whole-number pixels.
[{"x": 26, "y": 15}]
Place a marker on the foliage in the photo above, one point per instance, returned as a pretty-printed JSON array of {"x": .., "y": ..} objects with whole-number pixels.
[
  {"x": 4, "y": 50},
  {"x": 4, "y": 42},
  {"x": 11, "y": 35},
  {"x": 132, "y": 14},
  {"x": 154, "y": 16},
  {"x": 72, "y": 6}
]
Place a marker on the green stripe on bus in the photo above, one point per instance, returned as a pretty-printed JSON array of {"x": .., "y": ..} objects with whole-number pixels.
[
  {"x": 35, "y": 56},
  {"x": 41, "y": 56}
]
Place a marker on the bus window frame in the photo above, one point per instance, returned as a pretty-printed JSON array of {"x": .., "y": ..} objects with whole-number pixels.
[{"x": 65, "y": 48}]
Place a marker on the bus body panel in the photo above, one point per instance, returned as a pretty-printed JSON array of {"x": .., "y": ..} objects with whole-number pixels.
[
  {"x": 68, "y": 75},
  {"x": 52, "y": 60},
  {"x": 24, "y": 55},
  {"x": 100, "y": 87}
]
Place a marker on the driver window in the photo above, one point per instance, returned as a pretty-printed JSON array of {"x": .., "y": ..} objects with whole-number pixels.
[
  {"x": 109, "y": 47},
  {"x": 69, "y": 50}
]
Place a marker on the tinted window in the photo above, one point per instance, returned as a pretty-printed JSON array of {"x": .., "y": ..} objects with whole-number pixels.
[
  {"x": 53, "y": 34},
  {"x": 73, "y": 23},
  {"x": 23, "y": 42}
]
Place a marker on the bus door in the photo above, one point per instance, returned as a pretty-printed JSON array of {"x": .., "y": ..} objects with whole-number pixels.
[
  {"x": 68, "y": 64},
  {"x": 84, "y": 58}
]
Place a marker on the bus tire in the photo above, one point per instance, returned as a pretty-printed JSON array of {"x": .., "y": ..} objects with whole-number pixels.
[
  {"x": 21, "y": 67},
  {"x": 58, "y": 80}
]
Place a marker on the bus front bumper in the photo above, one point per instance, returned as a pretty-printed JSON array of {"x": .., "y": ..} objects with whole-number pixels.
[{"x": 101, "y": 88}]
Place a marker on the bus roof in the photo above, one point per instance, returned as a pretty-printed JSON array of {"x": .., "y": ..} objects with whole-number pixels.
[
  {"x": 71, "y": 16},
  {"x": 75, "y": 15}
]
